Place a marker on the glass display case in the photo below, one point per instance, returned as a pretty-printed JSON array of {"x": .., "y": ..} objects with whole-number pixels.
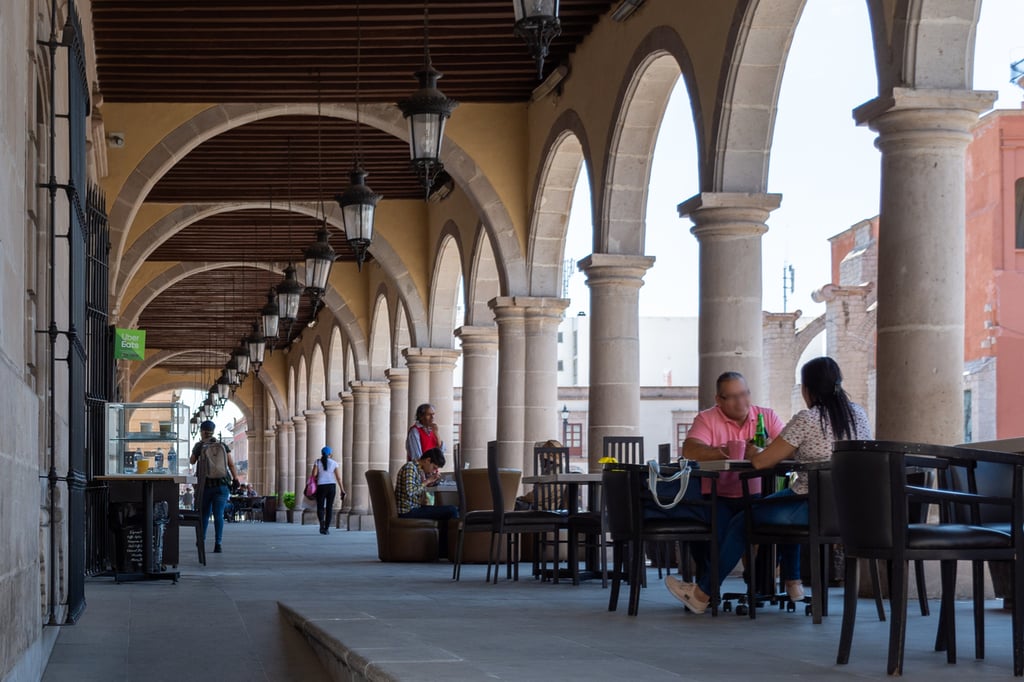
[{"x": 147, "y": 438}]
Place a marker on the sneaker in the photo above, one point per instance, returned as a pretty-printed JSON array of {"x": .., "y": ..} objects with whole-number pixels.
[
  {"x": 217, "y": 549},
  {"x": 685, "y": 592},
  {"x": 795, "y": 590}
]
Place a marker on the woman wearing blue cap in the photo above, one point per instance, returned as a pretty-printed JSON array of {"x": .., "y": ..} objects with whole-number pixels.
[{"x": 327, "y": 472}]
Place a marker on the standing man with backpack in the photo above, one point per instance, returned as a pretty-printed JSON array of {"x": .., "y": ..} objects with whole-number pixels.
[{"x": 214, "y": 463}]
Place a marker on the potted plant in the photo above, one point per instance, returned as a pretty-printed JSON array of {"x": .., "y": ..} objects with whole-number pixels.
[{"x": 289, "y": 505}]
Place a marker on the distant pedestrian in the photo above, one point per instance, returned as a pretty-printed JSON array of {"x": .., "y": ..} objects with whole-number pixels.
[
  {"x": 214, "y": 463},
  {"x": 328, "y": 483}
]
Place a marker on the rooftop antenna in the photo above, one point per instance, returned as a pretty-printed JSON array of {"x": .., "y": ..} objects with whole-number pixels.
[{"x": 788, "y": 283}]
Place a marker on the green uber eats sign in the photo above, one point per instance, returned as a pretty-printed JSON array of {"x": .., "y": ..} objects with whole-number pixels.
[{"x": 129, "y": 344}]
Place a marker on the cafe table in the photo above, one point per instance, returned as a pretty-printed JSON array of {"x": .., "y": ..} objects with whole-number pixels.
[
  {"x": 150, "y": 570},
  {"x": 572, "y": 482}
]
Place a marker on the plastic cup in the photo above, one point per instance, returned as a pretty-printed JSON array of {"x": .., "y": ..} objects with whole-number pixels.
[
  {"x": 737, "y": 449},
  {"x": 142, "y": 466}
]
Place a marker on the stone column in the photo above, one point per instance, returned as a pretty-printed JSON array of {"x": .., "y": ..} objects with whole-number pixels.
[
  {"x": 541, "y": 420},
  {"x": 346, "y": 455},
  {"x": 418, "y": 365},
  {"x": 849, "y": 334},
  {"x": 268, "y": 484},
  {"x": 614, "y": 282},
  {"x": 290, "y": 483},
  {"x": 398, "y": 381},
  {"x": 442, "y": 393},
  {"x": 728, "y": 227},
  {"x": 299, "y": 459},
  {"x": 923, "y": 136},
  {"x": 780, "y": 345},
  {"x": 360, "y": 447},
  {"x": 316, "y": 438},
  {"x": 283, "y": 477},
  {"x": 334, "y": 427},
  {"x": 510, "y": 319},
  {"x": 380, "y": 424},
  {"x": 479, "y": 392}
]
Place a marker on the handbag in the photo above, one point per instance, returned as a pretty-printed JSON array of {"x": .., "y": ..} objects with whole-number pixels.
[
  {"x": 310, "y": 491},
  {"x": 680, "y": 478}
]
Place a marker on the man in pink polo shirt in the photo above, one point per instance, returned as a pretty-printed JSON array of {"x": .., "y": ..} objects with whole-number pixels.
[{"x": 732, "y": 418}]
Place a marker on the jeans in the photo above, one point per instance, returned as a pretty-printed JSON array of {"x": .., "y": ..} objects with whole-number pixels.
[
  {"x": 215, "y": 498},
  {"x": 325, "y": 503},
  {"x": 734, "y": 543},
  {"x": 441, "y": 513}
]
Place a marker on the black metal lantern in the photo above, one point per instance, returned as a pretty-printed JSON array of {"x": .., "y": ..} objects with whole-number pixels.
[
  {"x": 358, "y": 204},
  {"x": 537, "y": 23},
  {"x": 241, "y": 357},
  {"x": 231, "y": 371},
  {"x": 319, "y": 259},
  {"x": 257, "y": 346},
  {"x": 427, "y": 110},
  {"x": 269, "y": 318},
  {"x": 223, "y": 388},
  {"x": 289, "y": 294}
]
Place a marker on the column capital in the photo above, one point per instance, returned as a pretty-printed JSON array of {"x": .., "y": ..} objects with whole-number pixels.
[
  {"x": 729, "y": 214},
  {"x": 421, "y": 357},
  {"x": 345, "y": 397},
  {"x": 285, "y": 426},
  {"x": 956, "y": 108},
  {"x": 332, "y": 406},
  {"x": 313, "y": 415},
  {"x": 397, "y": 375},
  {"x": 477, "y": 336},
  {"x": 614, "y": 268},
  {"x": 366, "y": 388},
  {"x": 298, "y": 419},
  {"x": 415, "y": 358},
  {"x": 534, "y": 303},
  {"x": 831, "y": 292}
]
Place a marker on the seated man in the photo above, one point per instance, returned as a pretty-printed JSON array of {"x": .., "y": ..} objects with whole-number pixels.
[{"x": 411, "y": 489}]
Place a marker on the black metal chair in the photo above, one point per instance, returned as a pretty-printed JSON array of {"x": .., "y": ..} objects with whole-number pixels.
[
  {"x": 476, "y": 521},
  {"x": 624, "y": 488},
  {"x": 625, "y": 449},
  {"x": 193, "y": 517},
  {"x": 872, "y": 496},
  {"x": 512, "y": 524}
]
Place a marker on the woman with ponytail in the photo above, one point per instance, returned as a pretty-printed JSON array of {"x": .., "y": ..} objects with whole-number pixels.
[
  {"x": 328, "y": 482},
  {"x": 808, "y": 437}
]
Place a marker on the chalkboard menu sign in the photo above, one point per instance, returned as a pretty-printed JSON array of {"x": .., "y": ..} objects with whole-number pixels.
[{"x": 134, "y": 547}]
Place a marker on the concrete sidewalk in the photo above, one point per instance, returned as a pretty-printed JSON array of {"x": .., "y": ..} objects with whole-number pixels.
[{"x": 370, "y": 620}]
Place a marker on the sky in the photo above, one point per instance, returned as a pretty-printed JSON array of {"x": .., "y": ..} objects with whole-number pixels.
[{"x": 826, "y": 168}]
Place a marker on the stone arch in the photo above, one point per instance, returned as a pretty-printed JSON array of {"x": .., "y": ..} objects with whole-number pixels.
[
  {"x": 484, "y": 283},
  {"x": 444, "y": 288},
  {"x": 806, "y": 334},
  {"x": 386, "y": 117},
  {"x": 565, "y": 152},
  {"x": 317, "y": 386},
  {"x": 301, "y": 386},
  {"x": 400, "y": 336},
  {"x": 151, "y": 391},
  {"x": 211, "y": 356},
  {"x": 335, "y": 364},
  {"x": 745, "y": 119},
  {"x": 655, "y": 68},
  {"x": 183, "y": 216},
  {"x": 931, "y": 44},
  {"x": 380, "y": 338},
  {"x": 179, "y": 271}
]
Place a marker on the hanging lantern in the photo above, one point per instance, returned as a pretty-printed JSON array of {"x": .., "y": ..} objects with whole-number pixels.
[
  {"x": 289, "y": 294},
  {"x": 231, "y": 372},
  {"x": 223, "y": 388},
  {"x": 427, "y": 110},
  {"x": 241, "y": 357},
  {"x": 319, "y": 259},
  {"x": 358, "y": 204},
  {"x": 257, "y": 346},
  {"x": 537, "y": 23},
  {"x": 269, "y": 318}
]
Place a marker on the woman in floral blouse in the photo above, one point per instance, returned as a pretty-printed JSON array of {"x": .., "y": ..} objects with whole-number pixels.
[{"x": 808, "y": 437}]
